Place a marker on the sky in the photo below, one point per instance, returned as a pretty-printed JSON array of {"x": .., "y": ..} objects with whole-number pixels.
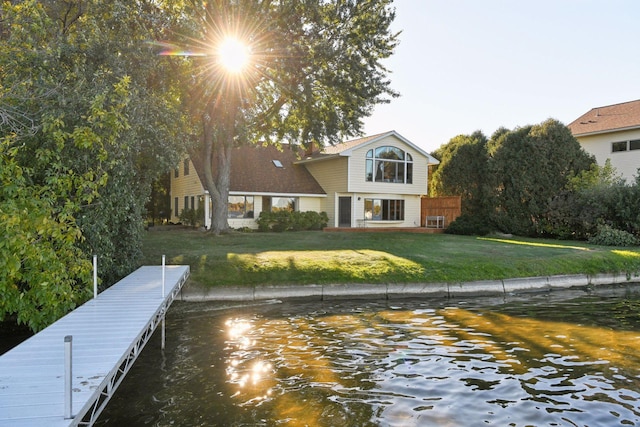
[{"x": 467, "y": 65}]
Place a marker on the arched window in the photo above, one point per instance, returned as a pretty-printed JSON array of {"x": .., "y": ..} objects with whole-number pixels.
[{"x": 389, "y": 164}]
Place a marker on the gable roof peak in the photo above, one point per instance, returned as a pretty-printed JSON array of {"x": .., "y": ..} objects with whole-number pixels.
[
  {"x": 346, "y": 148},
  {"x": 621, "y": 116}
]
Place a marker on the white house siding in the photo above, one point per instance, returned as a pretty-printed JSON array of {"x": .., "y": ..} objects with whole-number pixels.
[
  {"x": 332, "y": 175},
  {"x": 311, "y": 204},
  {"x": 359, "y": 189},
  {"x": 182, "y": 186},
  {"x": 625, "y": 162},
  {"x": 305, "y": 203},
  {"x": 411, "y": 210},
  {"x": 357, "y": 165}
]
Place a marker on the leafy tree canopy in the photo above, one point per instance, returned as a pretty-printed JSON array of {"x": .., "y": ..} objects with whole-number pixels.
[
  {"x": 511, "y": 180},
  {"x": 87, "y": 121},
  {"x": 463, "y": 171},
  {"x": 531, "y": 165},
  {"x": 314, "y": 71}
]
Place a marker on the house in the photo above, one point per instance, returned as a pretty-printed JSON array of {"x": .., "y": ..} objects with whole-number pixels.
[
  {"x": 375, "y": 181},
  {"x": 612, "y": 132}
]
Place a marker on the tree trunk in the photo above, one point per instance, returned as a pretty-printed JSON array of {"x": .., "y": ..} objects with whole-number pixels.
[{"x": 212, "y": 159}]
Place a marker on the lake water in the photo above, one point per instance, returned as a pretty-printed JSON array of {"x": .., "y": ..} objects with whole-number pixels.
[{"x": 544, "y": 360}]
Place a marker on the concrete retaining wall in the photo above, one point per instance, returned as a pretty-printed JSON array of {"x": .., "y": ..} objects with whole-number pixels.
[{"x": 408, "y": 290}]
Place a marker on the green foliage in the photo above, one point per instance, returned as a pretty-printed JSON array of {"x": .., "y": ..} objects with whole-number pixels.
[
  {"x": 517, "y": 181},
  {"x": 598, "y": 197},
  {"x": 284, "y": 220},
  {"x": 463, "y": 172},
  {"x": 159, "y": 204},
  {"x": 595, "y": 176},
  {"x": 43, "y": 274},
  {"x": 88, "y": 120},
  {"x": 529, "y": 167},
  {"x": 192, "y": 217},
  {"x": 609, "y": 236},
  {"x": 469, "y": 225},
  {"x": 312, "y": 81}
]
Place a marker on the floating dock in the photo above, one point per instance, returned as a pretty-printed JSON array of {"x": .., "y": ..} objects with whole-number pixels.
[{"x": 66, "y": 374}]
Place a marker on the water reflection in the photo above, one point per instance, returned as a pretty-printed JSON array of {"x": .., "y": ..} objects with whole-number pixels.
[
  {"x": 408, "y": 364},
  {"x": 245, "y": 369}
]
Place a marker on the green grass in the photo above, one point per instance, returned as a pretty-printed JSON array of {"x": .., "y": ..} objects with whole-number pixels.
[{"x": 320, "y": 258}]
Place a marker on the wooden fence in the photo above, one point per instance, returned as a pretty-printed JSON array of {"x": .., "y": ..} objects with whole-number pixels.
[{"x": 439, "y": 212}]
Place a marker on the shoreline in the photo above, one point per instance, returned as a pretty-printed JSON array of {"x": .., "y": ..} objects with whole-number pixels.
[{"x": 192, "y": 292}]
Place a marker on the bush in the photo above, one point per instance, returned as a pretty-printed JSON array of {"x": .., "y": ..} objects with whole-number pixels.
[
  {"x": 292, "y": 221},
  {"x": 469, "y": 225},
  {"x": 609, "y": 236},
  {"x": 578, "y": 214},
  {"x": 192, "y": 217}
]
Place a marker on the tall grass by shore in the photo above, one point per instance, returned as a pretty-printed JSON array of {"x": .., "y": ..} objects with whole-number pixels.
[{"x": 333, "y": 257}]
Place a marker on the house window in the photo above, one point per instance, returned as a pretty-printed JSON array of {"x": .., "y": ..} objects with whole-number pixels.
[
  {"x": 384, "y": 210},
  {"x": 389, "y": 164},
  {"x": 634, "y": 145},
  {"x": 186, "y": 167},
  {"x": 176, "y": 212},
  {"x": 240, "y": 206},
  {"x": 193, "y": 202},
  {"x": 186, "y": 202},
  {"x": 619, "y": 146},
  {"x": 176, "y": 172},
  {"x": 275, "y": 204}
]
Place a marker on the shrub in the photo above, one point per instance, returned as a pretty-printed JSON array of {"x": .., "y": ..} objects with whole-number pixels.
[
  {"x": 470, "y": 225},
  {"x": 295, "y": 221},
  {"x": 192, "y": 217},
  {"x": 609, "y": 236}
]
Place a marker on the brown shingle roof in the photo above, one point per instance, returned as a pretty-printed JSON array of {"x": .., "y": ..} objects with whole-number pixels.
[
  {"x": 608, "y": 118},
  {"x": 253, "y": 170}
]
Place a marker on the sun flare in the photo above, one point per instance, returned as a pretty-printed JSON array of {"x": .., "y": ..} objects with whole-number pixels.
[{"x": 233, "y": 55}]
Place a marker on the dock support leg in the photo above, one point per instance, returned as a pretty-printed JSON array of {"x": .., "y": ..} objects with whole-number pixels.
[
  {"x": 68, "y": 378},
  {"x": 95, "y": 276},
  {"x": 163, "y": 335},
  {"x": 163, "y": 274},
  {"x": 163, "y": 315}
]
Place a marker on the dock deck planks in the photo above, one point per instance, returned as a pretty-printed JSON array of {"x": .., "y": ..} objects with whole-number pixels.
[{"x": 108, "y": 333}]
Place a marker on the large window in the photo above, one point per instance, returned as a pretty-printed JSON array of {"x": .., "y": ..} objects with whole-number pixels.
[
  {"x": 275, "y": 204},
  {"x": 186, "y": 167},
  {"x": 625, "y": 145},
  {"x": 619, "y": 146},
  {"x": 240, "y": 206},
  {"x": 389, "y": 164},
  {"x": 383, "y": 210}
]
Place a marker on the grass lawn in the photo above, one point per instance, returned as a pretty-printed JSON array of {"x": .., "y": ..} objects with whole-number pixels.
[{"x": 318, "y": 257}]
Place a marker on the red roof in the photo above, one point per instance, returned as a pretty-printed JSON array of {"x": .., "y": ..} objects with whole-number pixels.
[{"x": 608, "y": 118}]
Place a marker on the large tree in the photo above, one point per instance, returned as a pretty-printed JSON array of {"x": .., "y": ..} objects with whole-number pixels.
[
  {"x": 313, "y": 71},
  {"x": 87, "y": 120},
  {"x": 463, "y": 172},
  {"x": 529, "y": 167}
]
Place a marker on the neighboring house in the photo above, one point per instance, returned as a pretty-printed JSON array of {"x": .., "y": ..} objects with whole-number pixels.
[
  {"x": 376, "y": 181},
  {"x": 612, "y": 132}
]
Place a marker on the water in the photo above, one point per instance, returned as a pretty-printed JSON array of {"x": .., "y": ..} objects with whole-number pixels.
[{"x": 531, "y": 362}]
